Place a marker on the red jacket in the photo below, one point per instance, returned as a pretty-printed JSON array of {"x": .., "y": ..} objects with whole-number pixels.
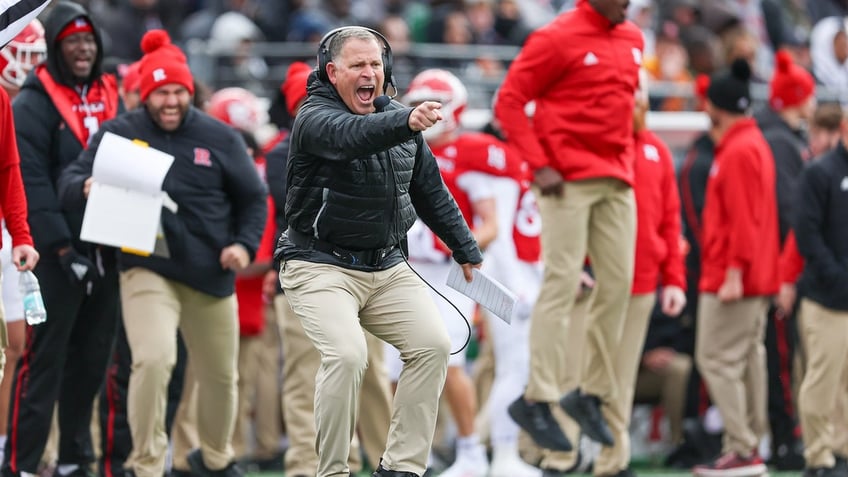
[
  {"x": 791, "y": 262},
  {"x": 251, "y": 303},
  {"x": 658, "y": 239},
  {"x": 582, "y": 73},
  {"x": 740, "y": 214},
  {"x": 13, "y": 203}
]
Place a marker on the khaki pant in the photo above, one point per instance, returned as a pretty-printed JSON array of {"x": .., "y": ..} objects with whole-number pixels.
[
  {"x": 375, "y": 402},
  {"x": 730, "y": 354},
  {"x": 267, "y": 413},
  {"x": 598, "y": 216},
  {"x": 572, "y": 350},
  {"x": 617, "y": 412},
  {"x": 184, "y": 437},
  {"x": 333, "y": 305},
  {"x": 825, "y": 335},
  {"x": 249, "y": 350},
  {"x": 301, "y": 362},
  {"x": 153, "y": 309},
  {"x": 259, "y": 411},
  {"x": 669, "y": 386}
]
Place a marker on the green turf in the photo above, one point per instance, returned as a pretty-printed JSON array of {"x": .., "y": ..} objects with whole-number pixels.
[{"x": 640, "y": 472}]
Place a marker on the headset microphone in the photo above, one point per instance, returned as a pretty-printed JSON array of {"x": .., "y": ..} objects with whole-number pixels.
[{"x": 381, "y": 102}]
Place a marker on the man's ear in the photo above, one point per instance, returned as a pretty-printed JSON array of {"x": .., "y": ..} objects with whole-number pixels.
[{"x": 331, "y": 72}]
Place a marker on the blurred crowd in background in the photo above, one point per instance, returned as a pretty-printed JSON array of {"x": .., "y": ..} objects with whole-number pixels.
[{"x": 249, "y": 43}]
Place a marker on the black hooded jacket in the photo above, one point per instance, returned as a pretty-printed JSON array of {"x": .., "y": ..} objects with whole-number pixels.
[
  {"x": 357, "y": 182},
  {"x": 46, "y": 146},
  {"x": 788, "y": 146},
  {"x": 220, "y": 197}
]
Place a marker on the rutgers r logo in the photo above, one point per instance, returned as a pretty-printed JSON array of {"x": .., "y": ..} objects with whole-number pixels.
[
  {"x": 158, "y": 74},
  {"x": 202, "y": 157}
]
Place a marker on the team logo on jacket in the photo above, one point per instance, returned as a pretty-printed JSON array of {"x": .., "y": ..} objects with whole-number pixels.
[
  {"x": 651, "y": 153},
  {"x": 637, "y": 55},
  {"x": 202, "y": 157},
  {"x": 590, "y": 59}
]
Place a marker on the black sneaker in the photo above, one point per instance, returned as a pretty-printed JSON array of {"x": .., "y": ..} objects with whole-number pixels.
[
  {"x": 586, "y": 410},
  {"x": 553, "y": 473},
  {"x": 199, "y": 469},
  {"x": 383, "y": 472},
  {"x": 539, "y": 423}
]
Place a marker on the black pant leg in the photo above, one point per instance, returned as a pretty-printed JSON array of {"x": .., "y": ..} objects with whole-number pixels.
[
  {"x": 116, "y": 439},
  {"x": 779, "y": 353},
  {"x": 85, "y": 370},
  {"x": 38, "y": 375}
]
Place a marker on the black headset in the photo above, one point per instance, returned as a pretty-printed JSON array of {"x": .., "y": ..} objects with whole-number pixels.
[{"x": 324, "y": 55}]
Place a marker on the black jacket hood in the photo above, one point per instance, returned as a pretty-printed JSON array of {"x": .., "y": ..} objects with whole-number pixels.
[{"x": 63, "y": 13}]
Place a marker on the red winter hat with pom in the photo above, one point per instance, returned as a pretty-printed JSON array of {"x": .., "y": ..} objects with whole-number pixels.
[
  {"x": 163, "y": 63},
  {"x": 294, "y": 87},
  {"x": 791, "y": 84}
]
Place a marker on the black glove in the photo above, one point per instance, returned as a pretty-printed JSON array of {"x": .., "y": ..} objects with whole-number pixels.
[{"x": 80, "y": 269}]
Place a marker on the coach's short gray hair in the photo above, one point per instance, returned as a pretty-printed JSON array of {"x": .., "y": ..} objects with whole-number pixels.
[{"x": 339, "y": 39}]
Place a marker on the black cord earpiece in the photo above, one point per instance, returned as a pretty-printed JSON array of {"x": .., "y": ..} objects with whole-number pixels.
[{"x": 464, "y": 318}]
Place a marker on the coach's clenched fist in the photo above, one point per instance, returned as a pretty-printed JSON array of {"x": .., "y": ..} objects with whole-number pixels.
[{"x": 425, "y": 115}]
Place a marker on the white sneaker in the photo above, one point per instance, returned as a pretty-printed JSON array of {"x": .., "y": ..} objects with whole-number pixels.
[
  {"x": 513, "y": 466},
  {"x": 467, "y": 467}
]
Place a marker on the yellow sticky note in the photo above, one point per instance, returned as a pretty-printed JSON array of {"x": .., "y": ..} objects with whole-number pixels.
[{"x": 134, "y": 251}]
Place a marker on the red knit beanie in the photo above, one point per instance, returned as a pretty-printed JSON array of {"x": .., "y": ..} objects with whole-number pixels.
[
  {"x": 77, "y": 25},
  {"x": 163, "y": 63},
  {"x": 294, "y": 87},
  {"x": 791, "y": 84}
]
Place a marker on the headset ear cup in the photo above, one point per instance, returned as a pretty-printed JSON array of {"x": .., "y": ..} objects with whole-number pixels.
[{"x": 324, "y": 57}]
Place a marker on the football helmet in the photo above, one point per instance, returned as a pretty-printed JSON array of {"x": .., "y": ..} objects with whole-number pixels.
[
  {"x": 21, "y": 54},
  {"x": 444, "y": 87},
  {"x": 239, "y": 108}
]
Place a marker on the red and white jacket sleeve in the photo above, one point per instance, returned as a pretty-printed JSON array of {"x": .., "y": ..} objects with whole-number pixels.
[
  {"x": 12, "y": 197},
  {"x": 537, "y": 66}
]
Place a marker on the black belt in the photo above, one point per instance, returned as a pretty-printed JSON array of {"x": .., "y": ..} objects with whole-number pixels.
[{"x": 371, "y": 258}]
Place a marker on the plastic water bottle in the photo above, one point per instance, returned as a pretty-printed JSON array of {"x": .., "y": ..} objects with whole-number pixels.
[{"x": 34, "y": 310}]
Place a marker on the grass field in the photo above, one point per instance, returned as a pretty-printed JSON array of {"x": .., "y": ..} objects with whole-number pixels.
[{"x": 639, "y": 472}]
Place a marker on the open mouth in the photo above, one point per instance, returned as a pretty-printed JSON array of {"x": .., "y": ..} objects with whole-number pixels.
[
  {"x": 170, "y": 115},
  {"x": 365, "y": 93}
]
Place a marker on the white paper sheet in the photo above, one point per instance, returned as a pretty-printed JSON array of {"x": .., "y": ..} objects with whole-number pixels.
[
  {"x": 126, "y": 198},
  {"x": 123, "y": 163},
  {"x": 121, "y": 217},
  {"x": 485, "y": 290}
]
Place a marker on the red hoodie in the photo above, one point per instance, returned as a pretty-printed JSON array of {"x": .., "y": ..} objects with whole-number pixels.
[
  {"x": 658, "y": 239},
  {"x": 582, "y": 73},
  {"x": 740, "y": 214},
  {"x": 12, "y": 197}
]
